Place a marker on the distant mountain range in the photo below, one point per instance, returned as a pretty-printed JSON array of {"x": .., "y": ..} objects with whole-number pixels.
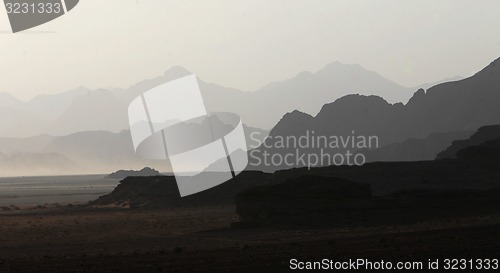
[
  {"x": 308, "y": 92},
  {"x": 83, "y": 109},
  {"x": 80, "y": 153},
  {"x": 87, "y": 152},
  {"x": 28, "y": 164},
  {"x": 448, "y": 107},
  {"x": 84, "y": 131}
]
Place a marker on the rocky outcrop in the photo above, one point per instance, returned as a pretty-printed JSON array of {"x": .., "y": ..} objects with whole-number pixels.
[
  {"x": 121, "y": 174},
  {"x": 162, "y": 192}
]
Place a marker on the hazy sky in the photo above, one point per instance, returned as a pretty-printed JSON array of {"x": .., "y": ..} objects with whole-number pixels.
[{"x": 247, "y": 44}]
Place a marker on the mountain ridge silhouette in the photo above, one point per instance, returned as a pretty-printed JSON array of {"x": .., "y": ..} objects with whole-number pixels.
[
  {"x": 462, "y": 105},
  {"x": 81, "y": 109}
]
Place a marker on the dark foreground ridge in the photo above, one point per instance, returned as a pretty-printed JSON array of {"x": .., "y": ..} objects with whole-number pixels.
[
  {"x": 474, "y": 168},
  {"x": 162, "y": 191},
  {"x": 333, "y": 202}
]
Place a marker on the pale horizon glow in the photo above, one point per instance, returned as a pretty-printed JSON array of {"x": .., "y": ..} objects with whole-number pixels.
[{"x": 247, "y": 44}]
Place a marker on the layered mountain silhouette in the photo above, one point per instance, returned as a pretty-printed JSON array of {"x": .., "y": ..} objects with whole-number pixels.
[
  {"x": 9, "y": 101},
  {"x": 398, "y": 191},
  {"x": 418, "y": 130},
  {"x": 36, "y": 163},
  {"x": 448, "y": 107},
  {"x": 79, "y": 153},
  {"x": 87, "y": 152},
  {"x": 11, "y": 145},
  {"x": 82, "y": 109},
  {"x": 308, "y": 92}
]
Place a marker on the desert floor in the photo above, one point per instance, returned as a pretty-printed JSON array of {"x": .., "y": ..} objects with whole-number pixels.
[{"x": 82, "y": 239}]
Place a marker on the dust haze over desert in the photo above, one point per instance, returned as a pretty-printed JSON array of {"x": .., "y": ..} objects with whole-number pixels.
[{"x": 369, "y": 129}]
